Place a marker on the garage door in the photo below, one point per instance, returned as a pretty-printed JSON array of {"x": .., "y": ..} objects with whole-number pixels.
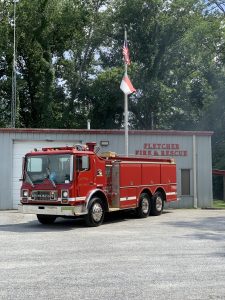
[{"x": 20, "y": 148}]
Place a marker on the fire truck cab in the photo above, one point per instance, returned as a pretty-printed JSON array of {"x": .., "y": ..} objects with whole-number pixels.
[{"x": 75, "y": 181}]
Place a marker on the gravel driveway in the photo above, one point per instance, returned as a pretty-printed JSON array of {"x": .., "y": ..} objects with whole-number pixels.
[{"x": 178, "y": 255}]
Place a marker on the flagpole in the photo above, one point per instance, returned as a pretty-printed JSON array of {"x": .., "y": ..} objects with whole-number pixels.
[{"x": 126, "y": 102}]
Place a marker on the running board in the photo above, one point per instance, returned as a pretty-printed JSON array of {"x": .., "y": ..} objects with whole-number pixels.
[
  {"x": 114, "y": 209},
  {"x": 117, "y": 208}
]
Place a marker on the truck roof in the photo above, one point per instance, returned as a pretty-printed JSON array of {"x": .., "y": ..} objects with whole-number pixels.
[{"x": 60, "y": 150}]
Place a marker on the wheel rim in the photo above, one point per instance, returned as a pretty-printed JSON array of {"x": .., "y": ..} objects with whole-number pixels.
[
  {"x": 158, "y": 203},
  {"x": 97, "y": 212},
  {"x": 145, "y": 205}
]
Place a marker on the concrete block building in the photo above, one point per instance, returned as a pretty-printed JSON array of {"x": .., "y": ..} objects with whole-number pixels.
[{"x": 191, "y": 149}]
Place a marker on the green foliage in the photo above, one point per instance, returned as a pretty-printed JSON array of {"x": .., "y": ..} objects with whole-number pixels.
[
  {"x": 106, "y": 106},
  {"x": 69, "y": 64},
  {"x": 172, "y": 75},
  {"x": 219, "y": 204}
]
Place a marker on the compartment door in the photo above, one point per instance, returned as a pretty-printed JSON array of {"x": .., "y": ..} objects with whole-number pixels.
[{"x": 116, "y": 185}]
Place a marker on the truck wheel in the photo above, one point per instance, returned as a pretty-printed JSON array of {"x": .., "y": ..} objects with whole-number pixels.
[
  {"x": 95, "y": 214},
  {"x": 157, "y": 204},
  {"x": 142, "y": 211},
  {"x": 46, "y": 219}
]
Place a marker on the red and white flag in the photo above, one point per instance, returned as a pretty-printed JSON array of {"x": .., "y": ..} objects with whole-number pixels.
[
  {"x": 126, "y": 85},
  {"x": 126, "y": 55}
]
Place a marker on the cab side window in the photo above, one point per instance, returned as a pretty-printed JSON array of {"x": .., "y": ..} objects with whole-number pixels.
[{"x": 82, "y": 163}]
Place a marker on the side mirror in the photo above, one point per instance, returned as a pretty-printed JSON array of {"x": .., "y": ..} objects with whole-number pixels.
[{"x": 23, "y": 166}]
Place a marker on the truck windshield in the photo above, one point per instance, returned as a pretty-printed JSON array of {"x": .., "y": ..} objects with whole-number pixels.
[{"x": 57, "y": 168}]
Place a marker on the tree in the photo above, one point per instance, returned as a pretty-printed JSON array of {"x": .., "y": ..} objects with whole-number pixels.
[
  {"x": 69, "y": 62},
  {"x": 56, "y": 42},
  {"x": 170, "y": 74},
  {"x": 5, "y": 70}
]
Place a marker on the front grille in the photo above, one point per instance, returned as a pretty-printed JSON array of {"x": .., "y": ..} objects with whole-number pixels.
[{"x": 44, "y": 195}]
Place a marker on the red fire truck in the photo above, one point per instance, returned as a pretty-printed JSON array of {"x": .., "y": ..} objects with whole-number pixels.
[{"x": 75, "y": 181}]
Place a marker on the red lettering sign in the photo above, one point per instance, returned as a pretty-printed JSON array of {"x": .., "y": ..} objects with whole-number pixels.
[{"x": 157, "y": 149}]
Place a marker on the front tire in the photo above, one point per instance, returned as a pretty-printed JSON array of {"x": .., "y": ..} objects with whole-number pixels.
[
  {"x": 157, "y": 204},
  {"x": 96, "y": 213},
  {"x": 46, "y": 219},
  {"x": 143, "y": 209}
]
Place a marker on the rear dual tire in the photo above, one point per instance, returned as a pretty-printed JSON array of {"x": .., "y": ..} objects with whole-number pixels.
[
  {"x": 143, "y": 209},
  {"x": 157, "y": 204}
]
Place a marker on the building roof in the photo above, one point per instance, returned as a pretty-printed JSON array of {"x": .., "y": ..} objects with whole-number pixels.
[
  {"x": 218, "y": 172},
  {"x": 106, "y": 131}
]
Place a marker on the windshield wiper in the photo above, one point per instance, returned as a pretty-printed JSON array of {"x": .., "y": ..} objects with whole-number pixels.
[
  {"x": 29, "y": 179},
  {"x": 49, "y": 177}
]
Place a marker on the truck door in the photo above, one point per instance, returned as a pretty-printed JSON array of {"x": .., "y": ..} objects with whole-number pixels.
[{"x": 84, "y": 175}]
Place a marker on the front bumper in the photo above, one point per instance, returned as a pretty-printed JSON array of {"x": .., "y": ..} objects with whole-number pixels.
[{"x": 78, "y": 210}]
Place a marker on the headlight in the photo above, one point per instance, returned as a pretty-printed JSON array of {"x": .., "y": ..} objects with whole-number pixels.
[
  {"x": 65, "y": 194},
  {"x": 25, "y": 193}
]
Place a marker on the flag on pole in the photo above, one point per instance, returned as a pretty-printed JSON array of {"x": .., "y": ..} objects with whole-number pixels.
[
  {"x": 126, "y": 55},
  {"x": 126, "y": 85}
]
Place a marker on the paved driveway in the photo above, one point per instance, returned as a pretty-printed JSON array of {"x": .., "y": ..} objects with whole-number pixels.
[{"x": 179, "y": 255}]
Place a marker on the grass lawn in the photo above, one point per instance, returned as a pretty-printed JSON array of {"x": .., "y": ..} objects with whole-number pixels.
[{"x": 218, "y": 204}]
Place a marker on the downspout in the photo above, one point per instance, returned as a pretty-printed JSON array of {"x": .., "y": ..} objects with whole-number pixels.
[{"x": 194, "y": 167}]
